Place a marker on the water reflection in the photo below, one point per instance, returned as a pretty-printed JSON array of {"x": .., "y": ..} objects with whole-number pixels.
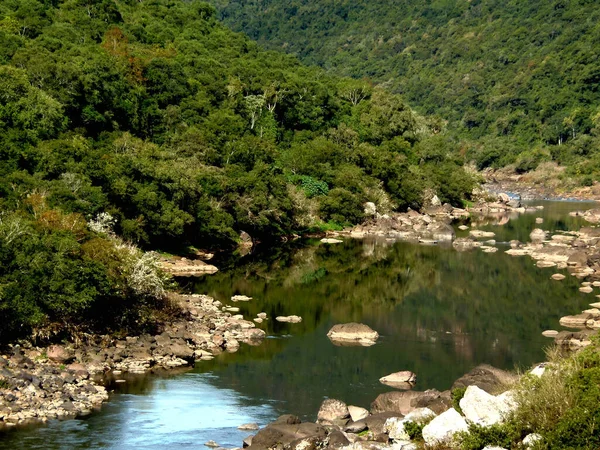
[{"x": 179, "y": 412}]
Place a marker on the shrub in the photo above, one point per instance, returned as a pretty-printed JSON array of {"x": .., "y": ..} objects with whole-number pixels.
[
  {"x": 341, "y": 206},
  {"x": 457, "y": 394}
]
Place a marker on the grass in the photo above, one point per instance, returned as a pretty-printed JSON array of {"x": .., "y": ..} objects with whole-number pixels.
[{"x": 563, "y": 406}]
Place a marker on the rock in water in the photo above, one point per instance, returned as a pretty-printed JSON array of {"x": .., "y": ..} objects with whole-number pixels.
[
  {"x": 249, "y": 427},
  {"x": 558, "y": 277},
  {"x": 440, "y": 430},
  {"x": 352, "y": 334},
  {"x": 240, "y": 298},
  {"x": 289, "y": 319},
  {"x": 331, "y": 241},
  {"x": 537, "y": 235},
  {"x": 402, "y": 380}
]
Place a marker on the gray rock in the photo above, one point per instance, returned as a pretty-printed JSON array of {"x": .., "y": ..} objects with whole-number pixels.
[
  {"x": 486, "y": 377},
  {"x": 332, "y": 410},
  {"x": 352, "y": 334},
  {"x": 357, "y": 413}
]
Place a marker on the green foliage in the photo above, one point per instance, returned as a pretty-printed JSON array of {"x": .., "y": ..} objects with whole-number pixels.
[
  {"x": 513, "y": 75},
  {"x": 504, "y": 435},
  {"x": 312, "y": 187},
  {"x": 456, "y": 395},
  {"x": 342, "y": 206},
  {"x": 184, "y": 133},
  {"x": 414, "y": 430}
]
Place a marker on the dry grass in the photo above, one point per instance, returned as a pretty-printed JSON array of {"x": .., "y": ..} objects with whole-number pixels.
[{"x": 542, "y": 401}]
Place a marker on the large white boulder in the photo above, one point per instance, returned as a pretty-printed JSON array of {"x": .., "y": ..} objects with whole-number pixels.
[
  {"x": 441, "y": 429},
  {"x": 485, "y": 409}
]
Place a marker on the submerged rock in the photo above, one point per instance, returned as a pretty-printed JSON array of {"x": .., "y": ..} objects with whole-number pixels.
[{"x": 352, "y": 334}]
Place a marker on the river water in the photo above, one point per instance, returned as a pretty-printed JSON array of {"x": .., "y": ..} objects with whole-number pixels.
[{"x": 439, "y": 313}]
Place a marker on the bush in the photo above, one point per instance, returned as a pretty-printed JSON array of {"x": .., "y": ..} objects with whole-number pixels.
[
  {"x": 506, "y": 435},
  {"x": 457, "y": 395},
  {"x": 341, "y": 206}
]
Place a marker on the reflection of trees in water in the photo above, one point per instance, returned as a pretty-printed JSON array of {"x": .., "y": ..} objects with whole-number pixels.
[{"x": 439, "y": 312}]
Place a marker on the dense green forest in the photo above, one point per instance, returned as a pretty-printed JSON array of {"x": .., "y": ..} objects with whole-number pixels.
[
  {"x": 517, "y": 81},
  {"x": 127, "y": 124}
]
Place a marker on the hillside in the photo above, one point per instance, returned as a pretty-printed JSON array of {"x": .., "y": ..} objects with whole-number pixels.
[
  {"x": 517, "y": 81},
  {"x": 149, "y": 124}
]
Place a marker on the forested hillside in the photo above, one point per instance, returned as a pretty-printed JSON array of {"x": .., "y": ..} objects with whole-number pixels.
[
  {"x": 150, "y": 124},
  {"x": 517, "y": 81}
]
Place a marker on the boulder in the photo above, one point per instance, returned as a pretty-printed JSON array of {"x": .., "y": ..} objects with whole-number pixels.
[
  {"x": 331, "y": 241},
  {"x": 484, "y": 409},
  {"x": 287, "y": 419},
  {"x": 376, "y": 422},
  {"x": 441, "y": 430},
  {"x": 578, "y": 259},
  {"x": 402, "y": 380},
  {"x": 332, "y": 410},
  {"x": 503, "y": 198},
  {"x": 357, "y": 413},
  {"x": 531, "y": 439},
  {"x": 403, "y": 402},
  {"x": 537, "y": 235},
  {"x": 370, "y": 209},
  {"x": 394, "y": 426},
  {"x": 289, "y": 319},
  {"x": 352, "y": 334},
  {"x": 575, "y": 321},
  {"x": 486, "y": 377},
  {"x": 240, "y": 298},
  {"x": 337, "y": 439},
  {"x": 478, "y": 234},
  {"x": 60, "y": 354},
  {"x": 558, "y": 277},
  {"x": 463, "y": 244},
  {"x": 248, "y": 427},
  {"x": 275, "y": 434},
  {"x": 442, "y": 232}
]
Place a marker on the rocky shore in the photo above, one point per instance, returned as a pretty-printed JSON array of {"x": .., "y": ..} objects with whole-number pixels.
[
  {"x": 399, "y": 419},
  {"x": 37, "y": 384}
]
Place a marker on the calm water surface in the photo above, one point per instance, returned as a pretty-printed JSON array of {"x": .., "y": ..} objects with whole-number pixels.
[{"x": 439, "y": 314}]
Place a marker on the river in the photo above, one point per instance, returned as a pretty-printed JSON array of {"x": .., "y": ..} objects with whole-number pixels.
[{"x": 439, "y": 313}]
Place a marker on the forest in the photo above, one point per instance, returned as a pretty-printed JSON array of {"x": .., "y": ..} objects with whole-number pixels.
[
  {"x": 517, "y": 82},
  {"x": 134, "y": 126}
]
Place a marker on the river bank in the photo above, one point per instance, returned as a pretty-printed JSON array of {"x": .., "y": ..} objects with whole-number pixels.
[
  {"x": 249, "y": 310},
  {"x": 66, "y": 381}
]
